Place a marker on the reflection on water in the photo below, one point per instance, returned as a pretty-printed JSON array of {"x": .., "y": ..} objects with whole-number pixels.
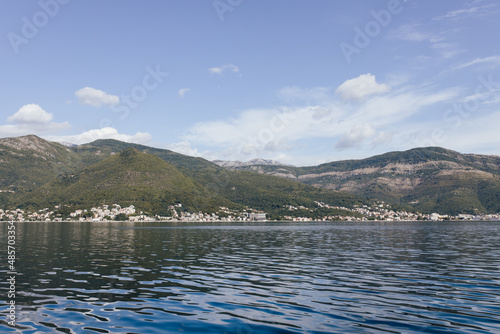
[{"x": 255, "y": 278}]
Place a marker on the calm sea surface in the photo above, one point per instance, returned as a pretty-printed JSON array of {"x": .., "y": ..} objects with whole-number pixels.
[{"x": 403, "y": 277}]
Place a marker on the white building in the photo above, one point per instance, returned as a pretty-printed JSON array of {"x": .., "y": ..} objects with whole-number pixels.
[{"x": 257, "y": 216}]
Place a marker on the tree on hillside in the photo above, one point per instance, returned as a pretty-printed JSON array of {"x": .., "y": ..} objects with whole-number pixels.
[{"x": 121, "y": 216}]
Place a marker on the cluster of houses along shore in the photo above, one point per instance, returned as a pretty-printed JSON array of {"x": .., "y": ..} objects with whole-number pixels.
[
  {"x": 379, "y": 212},
  {"x": 116, "y": 212}
]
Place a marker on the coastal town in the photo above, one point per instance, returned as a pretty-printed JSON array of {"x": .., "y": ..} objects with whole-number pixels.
[{"x": 376, "y": 212}]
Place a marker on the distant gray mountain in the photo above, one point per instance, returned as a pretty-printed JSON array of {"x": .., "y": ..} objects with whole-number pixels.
[
  {"x": 67, "y": 144},
  {"x": 254, "y": 162}
]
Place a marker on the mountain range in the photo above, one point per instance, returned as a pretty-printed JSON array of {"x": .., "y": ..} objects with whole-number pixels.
[
  {"x": 430, "y": 179},
  {"x": 36, "y": 173}
]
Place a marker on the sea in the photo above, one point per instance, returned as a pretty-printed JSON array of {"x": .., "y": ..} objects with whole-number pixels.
[{"x": 279, "y": 277}]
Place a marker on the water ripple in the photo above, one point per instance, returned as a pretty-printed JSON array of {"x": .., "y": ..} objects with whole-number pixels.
[{"x": 266, "y": 278}]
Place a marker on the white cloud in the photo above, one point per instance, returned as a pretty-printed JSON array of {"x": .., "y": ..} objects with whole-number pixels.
[
  {"x": 475, "y": 133},
  {"x": 436, "y": 41},
  {"x": 355, "y": 137},
  {"x": 494, "y": 60},
  {"x": 227, "y": 67},
  {"x": 184, "y": 147},
  {"x": 14, "y": 130},
  {"x": 310, "y": 95},
  {"x": 445, "y": 49},
  {"x": 104, "y": 133},
  {"x": 30, "y": 113},
  {"x": 408, "y": 32},
  {"x": 361, "y": 87},
  {"x": 252, "y": 133},
  {"x": 183, "y": 91},
  {"x": 96, "y": 98},
  {"x": 484, "y": 141},
  {"x": 471, "y": 12},
  {"x": 393, "y": 108},
  {"x": 31, "y": 119},
  {"x": 382, "y": 138},
  {"x": 460, "y": 13},
  {"x": 297, "y": 131}
]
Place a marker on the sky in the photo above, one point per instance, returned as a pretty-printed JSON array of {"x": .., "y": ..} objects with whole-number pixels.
[{"x": 300, "y": 82}]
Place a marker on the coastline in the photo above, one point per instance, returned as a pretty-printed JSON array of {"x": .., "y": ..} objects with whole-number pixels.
[{"x": 255, "y": 221}]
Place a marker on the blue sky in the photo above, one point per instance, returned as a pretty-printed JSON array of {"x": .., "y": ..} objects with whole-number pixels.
[{"x": 295, "y": 81}]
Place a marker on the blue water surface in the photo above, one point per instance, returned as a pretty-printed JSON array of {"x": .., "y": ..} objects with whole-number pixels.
[{"x": 369, "y": 277}]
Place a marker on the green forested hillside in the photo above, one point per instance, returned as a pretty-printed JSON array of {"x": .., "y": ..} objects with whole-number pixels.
[
  {"x": 128, "y": 177},
  {"x": 35, "y": 173},
  {"x": 29, "y": 162},
  {"x": 102, "y": 148},
  {"x": 242, "y": 188},
  {"x": 109, "y": 171}
]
